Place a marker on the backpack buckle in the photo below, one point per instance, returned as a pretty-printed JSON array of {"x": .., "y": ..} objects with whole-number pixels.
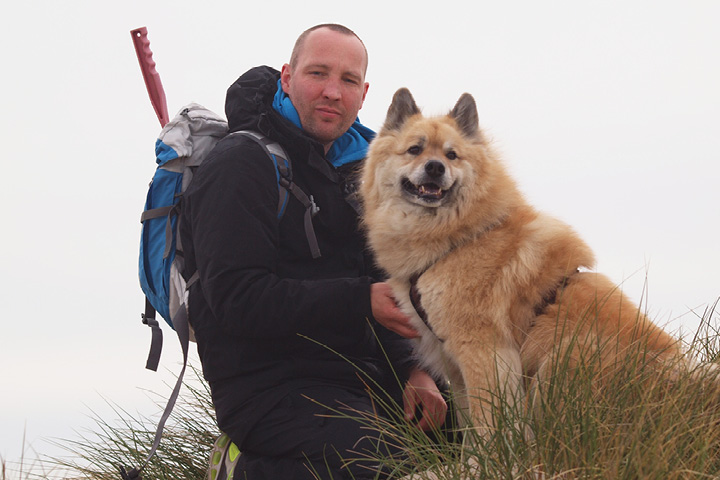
[{"x": 314, "y": 209}]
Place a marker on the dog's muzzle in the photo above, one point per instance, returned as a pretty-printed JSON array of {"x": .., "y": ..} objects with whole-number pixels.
[{"x": 429, "y": 187}]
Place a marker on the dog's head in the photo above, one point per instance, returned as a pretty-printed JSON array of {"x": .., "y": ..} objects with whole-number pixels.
[
  {"x": 429, "y": 162},
  {"x": 429, "y": 153},
  {"x": 430, "y": 183}
]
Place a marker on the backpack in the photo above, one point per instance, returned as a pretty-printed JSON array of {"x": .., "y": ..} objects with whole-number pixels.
[{"x": 182, "y": 146}]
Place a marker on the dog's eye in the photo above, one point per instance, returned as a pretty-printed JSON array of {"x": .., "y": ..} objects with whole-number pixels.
[
  {"x": 415, "y": 150},
  {"x": 451, "y": 155}
]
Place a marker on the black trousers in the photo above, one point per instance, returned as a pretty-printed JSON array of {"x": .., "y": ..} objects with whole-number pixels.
[{"x": 317, "y": 432}]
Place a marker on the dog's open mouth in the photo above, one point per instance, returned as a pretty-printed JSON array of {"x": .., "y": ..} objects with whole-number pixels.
[{"x": 430, "y": 192}]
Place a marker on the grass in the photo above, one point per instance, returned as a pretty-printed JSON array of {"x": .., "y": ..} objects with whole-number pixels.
[
  {"x": 637, "y": 425},
  {"x": 126, "y": 440},
  {"x": 182, "y": 453}
]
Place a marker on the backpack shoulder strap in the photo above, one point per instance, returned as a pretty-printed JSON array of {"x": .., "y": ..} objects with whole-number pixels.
[{"x": 283, "y": 167}]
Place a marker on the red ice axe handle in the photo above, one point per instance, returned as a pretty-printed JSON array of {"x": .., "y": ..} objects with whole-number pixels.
[{"x": 150, "y": 75}]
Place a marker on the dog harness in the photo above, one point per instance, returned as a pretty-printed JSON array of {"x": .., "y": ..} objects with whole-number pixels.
[
  {"x": 417, "y": 305},
  {"x": 415, "y": 299},
  {"x": 551, "y": 296}
]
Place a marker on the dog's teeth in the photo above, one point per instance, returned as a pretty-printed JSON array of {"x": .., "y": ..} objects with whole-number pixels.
[{"x": 432, "y": 191}]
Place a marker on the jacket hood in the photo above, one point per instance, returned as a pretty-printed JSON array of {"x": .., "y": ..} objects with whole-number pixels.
[
  {"x": 249, "y": 98},
  {"x": 248, "y": 106}
]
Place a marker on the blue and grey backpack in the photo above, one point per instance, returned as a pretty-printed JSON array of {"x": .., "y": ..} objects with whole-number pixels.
[{"x": 183, "y": 144}]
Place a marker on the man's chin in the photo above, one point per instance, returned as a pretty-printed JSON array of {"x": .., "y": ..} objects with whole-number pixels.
[{"x": 326, "y": 136}]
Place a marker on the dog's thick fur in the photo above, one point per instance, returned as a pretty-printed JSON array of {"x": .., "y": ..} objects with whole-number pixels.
[{"x": 499, "y": 281}]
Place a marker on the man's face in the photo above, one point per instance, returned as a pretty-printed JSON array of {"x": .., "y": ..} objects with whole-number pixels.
[{"x": 327, "y": 85}]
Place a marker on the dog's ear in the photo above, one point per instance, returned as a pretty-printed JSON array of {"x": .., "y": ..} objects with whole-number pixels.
[
  {"x": 465, "y": 114},
  {"x": 403, "y": 106}
]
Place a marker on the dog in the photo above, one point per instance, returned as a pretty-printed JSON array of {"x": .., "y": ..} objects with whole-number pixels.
[{"x": 498, "y": 291}]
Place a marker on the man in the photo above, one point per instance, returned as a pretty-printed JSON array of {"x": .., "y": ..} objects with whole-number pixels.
[{"x": 286, "y": 339}]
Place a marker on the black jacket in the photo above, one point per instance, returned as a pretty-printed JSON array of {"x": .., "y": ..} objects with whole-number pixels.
[{"x": 267, "y": 316}]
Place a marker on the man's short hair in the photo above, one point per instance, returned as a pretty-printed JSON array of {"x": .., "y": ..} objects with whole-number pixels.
[{"x": 335, "y": 27}]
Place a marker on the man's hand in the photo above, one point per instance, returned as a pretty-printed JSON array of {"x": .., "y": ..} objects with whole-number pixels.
[
  {"x": 421, "y": 391},
  {"x": 387, "y": 313}
]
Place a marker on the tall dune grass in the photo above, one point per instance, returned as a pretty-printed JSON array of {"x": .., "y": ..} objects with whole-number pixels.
[
  {"x": 636, "y": 426},
  {"x": 182, "y": 454},
  {"x": 635, "y": 423},
  {"x": 639, "y": 424}
]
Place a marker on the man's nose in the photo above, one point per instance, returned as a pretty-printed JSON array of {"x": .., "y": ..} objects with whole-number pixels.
[{"x": 332, "y": 89}]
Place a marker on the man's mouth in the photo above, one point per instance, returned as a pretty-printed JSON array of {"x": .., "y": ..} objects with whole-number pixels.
[
  {"x": 328, "y": 112},
  {"x": 430, "y": 192}
]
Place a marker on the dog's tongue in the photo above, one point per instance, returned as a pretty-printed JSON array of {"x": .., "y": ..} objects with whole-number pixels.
[{"x": 429, "y": 190}]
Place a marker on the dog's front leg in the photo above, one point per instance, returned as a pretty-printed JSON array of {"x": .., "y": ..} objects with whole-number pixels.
[{"x": 492, "y": 380}]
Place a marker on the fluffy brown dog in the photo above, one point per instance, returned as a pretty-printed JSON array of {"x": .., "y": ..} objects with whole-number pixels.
[{"x": 493, "y": 286}]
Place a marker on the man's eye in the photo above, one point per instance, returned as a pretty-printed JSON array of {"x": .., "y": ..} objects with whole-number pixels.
[{"x": 415, "y": 150}]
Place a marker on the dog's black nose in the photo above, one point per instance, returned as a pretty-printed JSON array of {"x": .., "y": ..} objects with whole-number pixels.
[{"x": 434, "y": 168}]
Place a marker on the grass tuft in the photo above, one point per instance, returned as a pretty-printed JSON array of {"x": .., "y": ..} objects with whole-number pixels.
[{"x": 181, "y": 455}]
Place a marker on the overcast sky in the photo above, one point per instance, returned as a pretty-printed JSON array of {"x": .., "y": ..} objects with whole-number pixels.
[{"x": 607, "y": 113}]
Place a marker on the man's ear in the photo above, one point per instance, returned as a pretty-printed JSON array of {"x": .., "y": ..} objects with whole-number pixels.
[
  {"x": 366, "y": 86},
  {"x": 285, "y": 74}
]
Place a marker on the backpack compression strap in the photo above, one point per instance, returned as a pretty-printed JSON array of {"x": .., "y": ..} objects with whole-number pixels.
[
  {"x": 148, "y": 318},
  {"x": 168, "y": 211}
]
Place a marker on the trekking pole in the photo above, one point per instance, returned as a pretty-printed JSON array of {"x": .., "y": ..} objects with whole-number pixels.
[{"x": 151, "y": 76}]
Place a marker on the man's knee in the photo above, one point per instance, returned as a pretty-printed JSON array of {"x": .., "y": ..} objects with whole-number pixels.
[{"x": 316, "y": 433}]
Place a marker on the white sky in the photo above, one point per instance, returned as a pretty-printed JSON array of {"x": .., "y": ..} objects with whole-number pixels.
[{"x": 606, "y": 112}]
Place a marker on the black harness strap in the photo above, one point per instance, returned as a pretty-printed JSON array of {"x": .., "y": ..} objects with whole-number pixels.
[
  {"x": 415, "y": 298},
  {"x": 551, "y": 296}
]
